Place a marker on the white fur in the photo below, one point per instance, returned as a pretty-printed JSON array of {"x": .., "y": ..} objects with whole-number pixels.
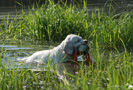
[{"x": 61, "y": 53}]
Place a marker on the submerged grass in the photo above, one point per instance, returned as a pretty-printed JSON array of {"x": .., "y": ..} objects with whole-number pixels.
[{"x": 112, "y": 70}]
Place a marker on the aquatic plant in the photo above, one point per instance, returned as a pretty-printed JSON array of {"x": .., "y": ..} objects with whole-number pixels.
[
  {"x": 53, "y": 22},
  {"x": 112, "y": 70}
]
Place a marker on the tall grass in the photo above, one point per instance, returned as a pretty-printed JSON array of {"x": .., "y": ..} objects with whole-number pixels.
[
  {"x": 52, "y": 22},
  {"x": 112, "y": 70}
]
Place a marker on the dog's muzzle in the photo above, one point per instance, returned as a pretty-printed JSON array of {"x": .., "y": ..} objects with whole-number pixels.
[{"x": 83, "y": 50}]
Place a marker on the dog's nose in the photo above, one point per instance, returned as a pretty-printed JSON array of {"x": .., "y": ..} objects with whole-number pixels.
[{"x": 85, "y": 41}]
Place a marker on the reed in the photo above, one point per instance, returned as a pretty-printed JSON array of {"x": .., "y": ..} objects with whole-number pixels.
[
  {"x": 112, "y": 70},
  {"x": 51, "y": 22}
]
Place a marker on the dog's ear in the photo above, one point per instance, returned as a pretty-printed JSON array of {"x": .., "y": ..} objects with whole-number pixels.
[{"x": 68, "y": 47}]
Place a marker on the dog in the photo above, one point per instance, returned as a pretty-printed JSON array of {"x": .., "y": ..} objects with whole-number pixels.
[{"x": 62, "y": 53}]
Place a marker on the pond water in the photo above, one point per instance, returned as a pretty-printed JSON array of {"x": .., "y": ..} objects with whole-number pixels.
[{"x": 13, "y": 53}]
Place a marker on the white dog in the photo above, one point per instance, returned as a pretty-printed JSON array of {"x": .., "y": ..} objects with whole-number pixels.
[{"x": 63, "y": 52}]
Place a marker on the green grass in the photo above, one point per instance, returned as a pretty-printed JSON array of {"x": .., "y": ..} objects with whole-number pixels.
[
  {"x": 53, "y": 22},
  {"x": 112, "y": 71},
  {"x": 110, "y": 39}
]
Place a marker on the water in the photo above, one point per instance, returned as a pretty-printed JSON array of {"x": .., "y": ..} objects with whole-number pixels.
[
  {"x": 12, "y": 55},
  {"x": 13, "y": 51}
]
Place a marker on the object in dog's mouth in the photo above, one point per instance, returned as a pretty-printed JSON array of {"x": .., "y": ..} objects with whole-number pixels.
[{"x": 83, "y": 50}]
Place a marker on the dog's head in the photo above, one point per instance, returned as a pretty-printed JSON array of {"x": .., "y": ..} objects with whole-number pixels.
[{"x": 72, "y": 43}]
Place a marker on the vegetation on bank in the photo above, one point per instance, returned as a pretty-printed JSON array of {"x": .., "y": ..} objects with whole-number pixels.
[{"x": 52, "y": 22}]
